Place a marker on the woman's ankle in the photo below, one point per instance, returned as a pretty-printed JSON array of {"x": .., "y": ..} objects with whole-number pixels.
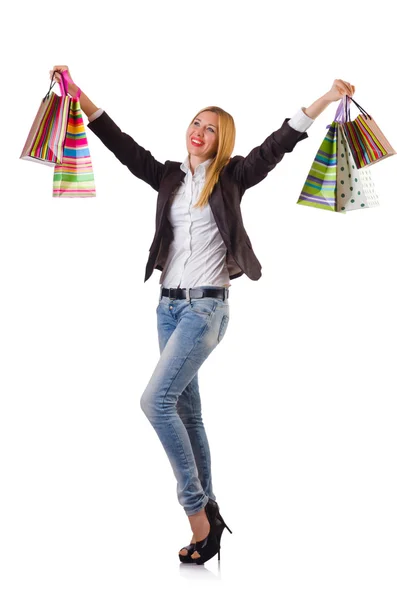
[{"x": 199, "y": 524}]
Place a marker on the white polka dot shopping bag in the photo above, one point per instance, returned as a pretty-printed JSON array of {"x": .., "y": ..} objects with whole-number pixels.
[{"x": 354, "y": 187}]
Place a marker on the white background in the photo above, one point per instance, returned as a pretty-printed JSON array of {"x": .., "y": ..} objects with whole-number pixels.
[{"x": 299, "y": 399}]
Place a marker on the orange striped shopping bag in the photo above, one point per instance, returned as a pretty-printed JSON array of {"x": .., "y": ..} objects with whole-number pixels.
[
  {"x": 367, "y": 142},
  {"x": 46, "y": 137},
  {"x": 74, "y": 177}
]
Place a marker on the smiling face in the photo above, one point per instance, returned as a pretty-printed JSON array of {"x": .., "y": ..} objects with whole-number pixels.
[{"x": 203, "y": 130}]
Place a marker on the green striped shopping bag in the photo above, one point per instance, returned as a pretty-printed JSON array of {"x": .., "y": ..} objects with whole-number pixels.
[
  {"x": 74, "y": 177},
  {"x": 319, "y": 189}
]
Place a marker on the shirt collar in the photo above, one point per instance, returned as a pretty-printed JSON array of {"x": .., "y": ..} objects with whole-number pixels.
[{"x": 200, "y": 170}]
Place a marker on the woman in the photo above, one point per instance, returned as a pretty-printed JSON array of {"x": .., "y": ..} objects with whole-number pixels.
[{"x": 199, "y": 245}]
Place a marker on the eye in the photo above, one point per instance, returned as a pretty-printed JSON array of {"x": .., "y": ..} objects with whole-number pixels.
[{"x": 208, "y": 127}]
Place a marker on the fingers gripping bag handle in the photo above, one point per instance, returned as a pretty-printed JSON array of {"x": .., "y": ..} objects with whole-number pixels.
[{"x": 64, "y": 83}]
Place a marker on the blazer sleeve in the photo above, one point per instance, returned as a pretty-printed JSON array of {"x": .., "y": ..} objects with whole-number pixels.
[
  {"x": 137, "y": 159},
  {"x": 262, "y": 159}
]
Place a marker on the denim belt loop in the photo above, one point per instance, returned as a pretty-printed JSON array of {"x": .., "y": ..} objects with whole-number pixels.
[
  {"x": 161, "y": 292},
  {"x": 187, "y": 295}
]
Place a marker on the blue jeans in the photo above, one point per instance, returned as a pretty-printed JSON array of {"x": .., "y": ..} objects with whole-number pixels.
[{"x": 188, "y": 332}]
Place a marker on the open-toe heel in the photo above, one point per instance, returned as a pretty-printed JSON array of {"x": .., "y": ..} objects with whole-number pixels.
[
  {"x": 211, "y": 545},
  {"x": 187, "y": 558}
]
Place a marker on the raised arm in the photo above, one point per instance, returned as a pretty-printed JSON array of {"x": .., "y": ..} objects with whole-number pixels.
[
  {"x": 261, "y": 160},
  {"x": 136, "y": 158}
]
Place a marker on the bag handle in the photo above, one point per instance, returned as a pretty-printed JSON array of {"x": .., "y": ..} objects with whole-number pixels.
[
  {"x": 61, "y": 84},
  {"x": 360, "y": 108},
  {"x": 343, "y": 111},
  {"x": 346, "y": 104},
  {"x": 341, "y": 115}
]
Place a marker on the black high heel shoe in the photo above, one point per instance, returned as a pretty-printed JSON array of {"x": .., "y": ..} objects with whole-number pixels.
[
  {"x": 220, "y": 525},
  {"x": 209, "y": 546},
  {"x": 187, "y": 558}
]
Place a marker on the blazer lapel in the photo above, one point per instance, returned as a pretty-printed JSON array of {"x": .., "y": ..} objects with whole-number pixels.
[
  {"x": 168, "y": 186},
  {"x": 217, "y": 205}
]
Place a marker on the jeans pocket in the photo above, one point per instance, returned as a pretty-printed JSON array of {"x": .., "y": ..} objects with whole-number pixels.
[
  {"x": 202, "y": 306},
  {"x": 223, "y": 327}
]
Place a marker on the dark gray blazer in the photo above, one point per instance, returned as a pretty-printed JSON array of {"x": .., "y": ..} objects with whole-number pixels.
[{"x": 236, "y": 177}]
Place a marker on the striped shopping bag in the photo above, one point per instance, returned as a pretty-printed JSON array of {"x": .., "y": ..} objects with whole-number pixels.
[
  {"x": 319, "y": 189},
  {"x": 46, "y": 137},
  {"x": 74, "y": 177},
  {"x": 366, "y": 141}
]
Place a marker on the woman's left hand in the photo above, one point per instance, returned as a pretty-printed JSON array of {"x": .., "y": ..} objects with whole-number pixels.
[{"x": 339, "y": 89}]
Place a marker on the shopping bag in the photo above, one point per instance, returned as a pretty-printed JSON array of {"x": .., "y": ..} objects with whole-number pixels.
[
  {"x": 46, "y": 137},
  {"x": 319, "y": 189},
  {"x": 354, "y": 187},
  {"x": 367, "y": 142},
  {"x": 74, "y": 177}
]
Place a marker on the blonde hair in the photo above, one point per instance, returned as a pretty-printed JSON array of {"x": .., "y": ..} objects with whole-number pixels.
[{"x": 226, "y": 140}]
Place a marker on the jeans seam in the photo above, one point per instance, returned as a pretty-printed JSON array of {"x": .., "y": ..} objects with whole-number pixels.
[
  {"x": 186, "y": 357},
  {"x": 193, "y": 413},
  {"x": 180, "y": 443}
]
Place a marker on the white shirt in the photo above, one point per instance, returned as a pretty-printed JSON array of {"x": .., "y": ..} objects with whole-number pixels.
[{"x": 197, "y": 254}]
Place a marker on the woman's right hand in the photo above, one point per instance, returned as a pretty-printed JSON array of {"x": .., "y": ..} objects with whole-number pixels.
[{"x": 71, "y": 87}]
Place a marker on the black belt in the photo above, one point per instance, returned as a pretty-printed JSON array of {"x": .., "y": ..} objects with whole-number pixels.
[{"x": 180, "y": 293}]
